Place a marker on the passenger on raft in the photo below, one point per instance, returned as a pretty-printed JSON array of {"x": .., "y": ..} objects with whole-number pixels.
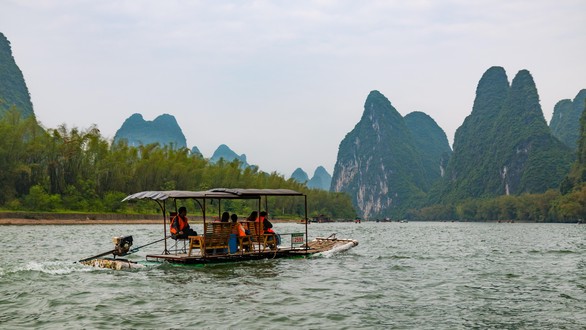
[
  {"x": 268, "y": 226},
  {"x": 225, "y": 217},
  {"x": 180, "y": 226},
  {"x": 237, "y": 227}
]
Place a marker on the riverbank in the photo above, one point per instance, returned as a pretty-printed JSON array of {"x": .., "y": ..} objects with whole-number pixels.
[
  {"x": 40, "y": 218},
  {"x": 8, "y": 222},
  {"x": 37, "y": 218}
]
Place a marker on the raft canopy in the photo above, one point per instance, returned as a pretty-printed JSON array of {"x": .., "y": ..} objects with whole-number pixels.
[{"x": 217, "y": 193}]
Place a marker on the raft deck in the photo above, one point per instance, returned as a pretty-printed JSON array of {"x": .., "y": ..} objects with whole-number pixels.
[{"x": 319, "y": 245}]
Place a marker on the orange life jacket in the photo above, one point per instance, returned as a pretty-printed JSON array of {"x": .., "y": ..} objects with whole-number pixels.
[
  {"x": 238, "y": 229},
  {"x": 182, "y": 224}
]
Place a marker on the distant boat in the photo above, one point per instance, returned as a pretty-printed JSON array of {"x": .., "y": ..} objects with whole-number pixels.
[{"x": 321, "y": 219}]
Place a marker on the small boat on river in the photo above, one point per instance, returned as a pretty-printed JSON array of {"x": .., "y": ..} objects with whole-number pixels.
[{"x": 218, "y": 242}]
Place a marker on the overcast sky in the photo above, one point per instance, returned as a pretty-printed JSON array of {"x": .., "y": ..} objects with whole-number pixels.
[{"x": 283, "y": 81}]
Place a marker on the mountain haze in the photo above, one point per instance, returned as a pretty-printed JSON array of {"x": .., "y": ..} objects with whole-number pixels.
[
  {"x": 300, "y": 176},
  {"x": 163, "y": 130},
  {"x": 224, "y": 152},
  {"x": 321, "y": 179}
]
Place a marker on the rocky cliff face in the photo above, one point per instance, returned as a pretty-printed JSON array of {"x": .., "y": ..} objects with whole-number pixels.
[
  {"x": 379, "y": 164},
  {"x": 224, "y": 152},
  {"x": 504, "y": 146},
  {"x": 13, "y": 90},
  {"x": 565, "y": 120},
  {"x": 163, "y": 130}
]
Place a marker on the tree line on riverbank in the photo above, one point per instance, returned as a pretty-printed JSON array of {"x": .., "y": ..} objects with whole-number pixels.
[
  {"x": 64, "y": 170},
  {"x": 551, "y": 206},
  {"x": 75, "y": 169}
]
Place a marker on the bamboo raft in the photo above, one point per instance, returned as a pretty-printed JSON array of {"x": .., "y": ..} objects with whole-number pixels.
[
  {"x": 319, "y": 247},
  {"x": 217, "y": 243}
]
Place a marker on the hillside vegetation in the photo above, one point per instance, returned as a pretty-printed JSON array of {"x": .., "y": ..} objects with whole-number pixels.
[
  {"x": 568, "y": 204},
  {"x": 79, "y": 170},
  {"x": 385, "y": 163}
]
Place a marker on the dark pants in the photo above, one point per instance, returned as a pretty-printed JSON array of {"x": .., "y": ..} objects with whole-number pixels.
[{"x": 186, "y": 233}]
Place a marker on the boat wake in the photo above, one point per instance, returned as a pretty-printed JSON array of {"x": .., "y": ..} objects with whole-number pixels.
[{"x": 48, "y": 267}]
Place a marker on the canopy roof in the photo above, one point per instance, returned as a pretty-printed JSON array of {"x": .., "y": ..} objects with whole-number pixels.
[
  {"x": 258, "y": 192},
  {"x": 217, "y": 193}
]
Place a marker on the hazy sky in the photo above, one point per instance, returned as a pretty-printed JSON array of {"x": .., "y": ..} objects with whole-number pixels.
[{"x": 283, "y": 81}]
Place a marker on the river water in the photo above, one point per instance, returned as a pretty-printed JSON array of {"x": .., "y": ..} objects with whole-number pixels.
[{"x": 417, "y": 275}]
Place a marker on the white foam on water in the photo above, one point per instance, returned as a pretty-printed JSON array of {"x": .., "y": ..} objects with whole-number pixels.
[
  {"x": 336, "y": 249},
  {"x": 53, "y": 267}
]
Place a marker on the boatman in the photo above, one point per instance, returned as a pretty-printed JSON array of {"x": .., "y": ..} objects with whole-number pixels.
[{"x": 180, "y": 226}]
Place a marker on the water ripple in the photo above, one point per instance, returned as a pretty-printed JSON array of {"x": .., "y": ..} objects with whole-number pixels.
[{"x": 409, "y": 276}]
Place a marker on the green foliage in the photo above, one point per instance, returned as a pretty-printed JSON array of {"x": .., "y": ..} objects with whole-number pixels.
[
  {"x": 550, "y": 206},
  {"x": 113, "y": 201},
  {"x": 504, "y": 146},
  {"x": 431, "y": 142},
  {"x": 577, "y": 175},
  {"x": 565, "y": 122},
  {"x": 39, "y": 199},
  {"x": 78, "y": 170}
]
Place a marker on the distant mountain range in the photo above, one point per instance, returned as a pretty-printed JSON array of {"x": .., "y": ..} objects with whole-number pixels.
[
  {"x": 390, "y": 164},
  {"x": 163, "y": 130},
  {"x": 224, "y": 152},
  {"x": 321, "y": 179}
]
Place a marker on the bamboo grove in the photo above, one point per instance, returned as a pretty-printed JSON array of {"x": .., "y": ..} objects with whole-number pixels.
[{"x": 79, "y": 170}]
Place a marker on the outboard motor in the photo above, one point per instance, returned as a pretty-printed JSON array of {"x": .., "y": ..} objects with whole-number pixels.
[{"x": 121, "y": 245}]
